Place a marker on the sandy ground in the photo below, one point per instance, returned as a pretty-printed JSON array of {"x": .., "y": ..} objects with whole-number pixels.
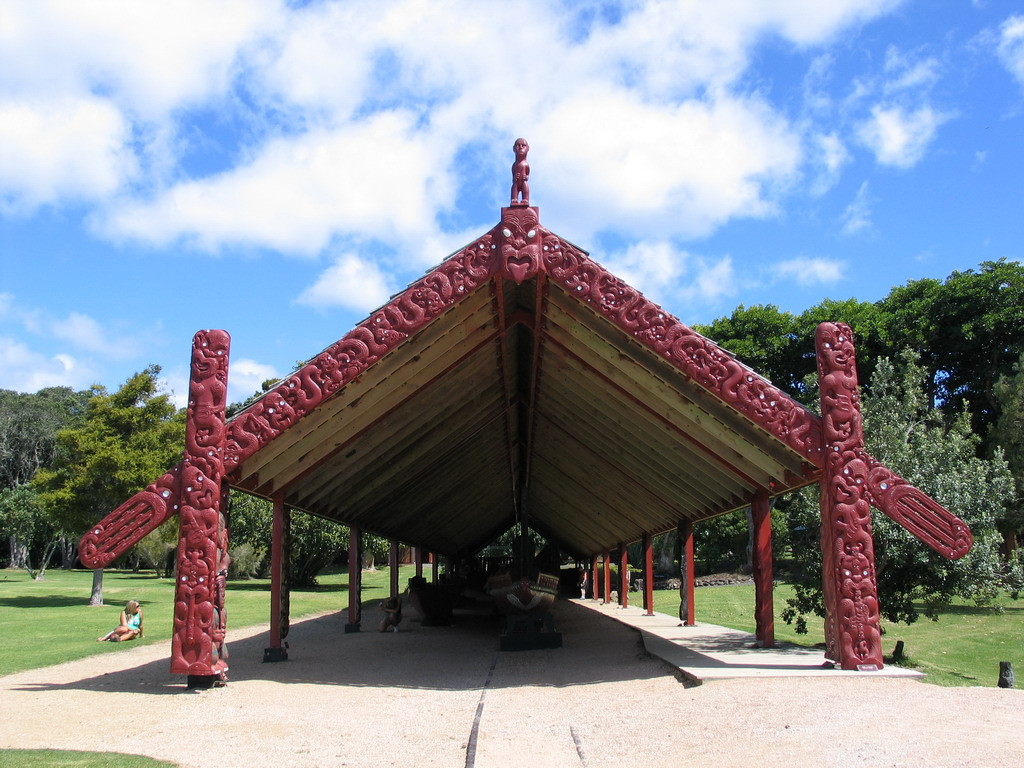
[{"x": 447, "y": 697}]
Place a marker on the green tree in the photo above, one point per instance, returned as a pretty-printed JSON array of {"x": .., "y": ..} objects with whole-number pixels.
[
  {"x": 28, "y": 436},
  {"x": 967, "y": 330},
  {"x": 1008, "y": 434},
  {"x": 28, "y": 530},
  {"x": 903, "y": 430},
  {"x": 125, "y": 441}
]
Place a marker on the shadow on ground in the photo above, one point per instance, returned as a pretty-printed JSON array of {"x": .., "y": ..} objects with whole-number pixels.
[{"x": 458, "y": 657}]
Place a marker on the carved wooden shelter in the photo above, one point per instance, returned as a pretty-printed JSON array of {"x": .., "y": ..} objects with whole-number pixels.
[{"x": 520, "y": 379}]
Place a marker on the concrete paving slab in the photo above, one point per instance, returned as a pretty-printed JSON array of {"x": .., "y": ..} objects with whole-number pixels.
[{"x": 709, "y": 652}]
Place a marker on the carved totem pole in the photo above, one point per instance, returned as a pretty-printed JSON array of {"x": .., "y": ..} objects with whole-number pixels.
[{"x": 197, "y": 645}]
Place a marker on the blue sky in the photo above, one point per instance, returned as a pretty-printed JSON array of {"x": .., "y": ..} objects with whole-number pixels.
[{"x": 279, "y": 169}]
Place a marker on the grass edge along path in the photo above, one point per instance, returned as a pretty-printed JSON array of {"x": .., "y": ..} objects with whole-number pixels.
[
  {"x": 63, "y": 758},
  {"x": 963, "y": 648}
]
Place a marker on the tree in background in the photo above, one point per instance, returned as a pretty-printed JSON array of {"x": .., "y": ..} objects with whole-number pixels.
[
  {"x": 125, "y": 441},
  {"x": 903, "y": 430},
  {"x": 29, "y": 424},
  {"x": 25, "y": 523},
  {"x": 1008, "y": 433}
]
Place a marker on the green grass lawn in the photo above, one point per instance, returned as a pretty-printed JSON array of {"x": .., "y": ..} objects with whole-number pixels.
[
  {"x": 59, "y": 758},
  {"x": 964, "y": 647},
  {"x": 48, "y": 622}
]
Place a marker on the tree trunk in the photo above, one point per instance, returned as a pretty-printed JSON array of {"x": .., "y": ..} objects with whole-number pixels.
[
  {"x": 19, "y": 553},
  {"x": 68, "y": 553},
  {"x": 47, "y": 555},
  {"x": 96, "y": 598}
]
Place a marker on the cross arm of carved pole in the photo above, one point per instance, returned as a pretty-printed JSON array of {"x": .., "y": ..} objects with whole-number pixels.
[
  {"x": 915, "y": 510},
  {"x": 116, "y": 533}
]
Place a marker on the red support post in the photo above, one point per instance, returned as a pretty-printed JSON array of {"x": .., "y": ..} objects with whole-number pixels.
[
  {"x": 594, "y": 591},
  {"x": 355, "y": 573},
  {"x": 648, "y": 574},
  {"x": 200, "y": 624},
  {"x": 852, "y": 630},
  {"x": 607, "y": 597},
  {"x": 434, "y": 563},
  {"x": 279, "y": 620},
  {"x": 764, "y": 607},
  {"x": 418, "y": 559},
  {"x": 686, "y": 573},
  {"x": 393, "y": 567},
  {"x": 623, "y": 576}
]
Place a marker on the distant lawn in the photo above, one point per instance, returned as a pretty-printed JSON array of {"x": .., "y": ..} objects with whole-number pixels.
[
  {"x": 58, "y": 758},
  {"x": 964, "y": 647},
  {"x": 49, "y": 622}
]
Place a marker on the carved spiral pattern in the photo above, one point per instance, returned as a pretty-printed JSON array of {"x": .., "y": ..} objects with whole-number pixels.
[
  {"x": 912, "y": 508},
  {"x": 348, "y": 358},
  {"x": 116, "y": 533},
  {"x": 199, "y": 618},
  {"x": 847, "y": 547},
  {"x": 699, "y": 358}
]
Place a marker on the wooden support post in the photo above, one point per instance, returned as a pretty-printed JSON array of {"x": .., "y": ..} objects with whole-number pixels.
[
  {"x": 764, "y": 607},
  {"x": 355, "y": 573},
  {"x": 279, "y": 601},
  {"x": 197, "y": 642},
  {"x": 434, "y": 562},
  {"x": 648, "y": 574},
  {"x": 623, "y": 576},
  {"x": 853, "y": 636},
  {"x": 594, "y": 591},
  {"x": 418, "y": 560},
  {"x": 393, "y": 568},
  {"x": 686, "y": 574},
  {"x": 607, "y": 596}
]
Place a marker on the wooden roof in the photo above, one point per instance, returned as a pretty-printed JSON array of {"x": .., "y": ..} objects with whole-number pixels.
[{"x": 521, "y": 377}]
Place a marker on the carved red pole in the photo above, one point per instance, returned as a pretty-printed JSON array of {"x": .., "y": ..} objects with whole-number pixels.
[
  {"x": 623, "y": 576},
  {"x": 593, "y": 579},
  {"x": 278, "y": 580},
  {"x": 686, "y": 609},
  {"x": 764, "y": 607},
  {"x": 355, "y": 573},
  {"x": 607, "y": 576},
  {"x": 393, "y": 567},
  {"x": 197, "y": 645},
  {"x": 648, "y": 574},
  {"x": 853, "y": 636}
]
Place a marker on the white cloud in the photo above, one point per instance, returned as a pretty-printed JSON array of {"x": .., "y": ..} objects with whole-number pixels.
[
  {"x": 1011, "y": 46},
  {"x": 664, "y": 170},
  {"x": 899, "y": 137},
  {"x": 857, "y": 215},
  {"x": 668, "y": 276},
  {"x": 25, "y": 370},
  {"x": 809, "y": 271},
  {"x": 828, "y": 155},
  {"x": 246, "y": 377},
  {"x": 351, "y": 282},
  {"x": 150, "y": 57},
  {"x": 377, "y": 178},
  {"x": 906, "y": 72},
  {"x": 71, "y": 148}
]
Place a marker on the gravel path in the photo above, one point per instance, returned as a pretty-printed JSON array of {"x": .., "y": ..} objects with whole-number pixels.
[{"x": 447, "y": 697}]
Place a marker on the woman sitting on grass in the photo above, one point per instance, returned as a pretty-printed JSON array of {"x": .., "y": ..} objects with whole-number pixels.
[{"x": 130, "y": 626}]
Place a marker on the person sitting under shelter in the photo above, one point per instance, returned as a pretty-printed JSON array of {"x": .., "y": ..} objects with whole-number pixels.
[
  {"x": 392, "y": 608},
  {"x": 130, "y": 626}
]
